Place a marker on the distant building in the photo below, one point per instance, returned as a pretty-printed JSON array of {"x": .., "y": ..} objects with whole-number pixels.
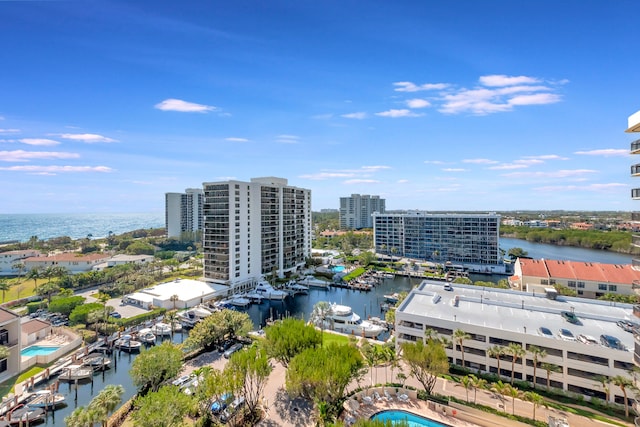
[
  {"x": 179, "y": 294},
  {"x": 467, "y": 239},
  {"x": 588, "y": 279},
  {"x": 356, "y": 210},
  {"x": 121, "y": 259},
  {"x": 327, "y": 210},
  {"x": 9, "y": 260},
  {"x": 254, "y": 229},
  {"x": 10, "y": 337},
  {"x": 74, "y": 262},
  {"x": 581, "y": 226},
  {"x": 183, "y": 212}
]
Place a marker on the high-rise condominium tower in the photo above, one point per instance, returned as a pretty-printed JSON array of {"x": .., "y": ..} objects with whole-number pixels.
[
  {"x": 254, "y": 229},
  {"x": 183, "y": 212},
  {"x": 356, "y": 211}
]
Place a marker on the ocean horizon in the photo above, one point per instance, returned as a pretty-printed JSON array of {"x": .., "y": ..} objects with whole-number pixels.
[{"x": 20, "y": 227}]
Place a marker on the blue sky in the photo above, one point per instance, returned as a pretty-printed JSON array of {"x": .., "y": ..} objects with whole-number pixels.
[{"x": 461, "y": 105}]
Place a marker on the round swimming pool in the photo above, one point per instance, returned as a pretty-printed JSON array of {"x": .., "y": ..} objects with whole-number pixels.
[
  {"x": 37, "y": 350},
  {"x": 412, "y": 420}
]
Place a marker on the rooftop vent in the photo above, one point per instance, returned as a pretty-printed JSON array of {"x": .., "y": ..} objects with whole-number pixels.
[{"x": 551, "y": 293}]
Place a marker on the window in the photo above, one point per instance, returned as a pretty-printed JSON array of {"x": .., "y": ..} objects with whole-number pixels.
[
  {"x": 4, "y": 337},
  {"x": 581, "y": 285},
  {"x": 613, "y": 288},
  {"x": 602, "y": 287},
  {"x": 3, "y": 365},
  {"x": 580, "y": 292},
  {"x": 544, "y": 282},
  {"x": 571, "y": 283},
  {"x": 588, "y": 358}
]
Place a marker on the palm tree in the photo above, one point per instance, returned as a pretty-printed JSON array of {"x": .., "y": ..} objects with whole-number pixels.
[
  {"x": 20, "y": 267},
  {"x": 106, "y": 401},
  {"x": 171, "y": 318},
  {"x": 102, "y": 299},
  {"x": 535, "y": 399},
  {"x": 467, "y": 383},
  {"x": 604, "y": 381},
  {"x": 550, "y": 367},
  {"x": 370, "y": 357},
  {"x": 536, "y": 353},
  {"x": 34, "y": 274},
  {"x": 174, "y": 299},
  {"x": 4, "y": 287},
  {"x": 623, "y": 382},
  {"x": 512, "y": 392},
  {"x": 321, "y": 310},
  {"x": 501, "y": 389},
  {"x": 459, "y": 336},
  {"x": 516, "y": 351},
  {"x": 478, "y": 383},
  {"x": 497, "y": 351},
  {"x": 394, "y": 251},
  {"x": 81, "y": 417}
]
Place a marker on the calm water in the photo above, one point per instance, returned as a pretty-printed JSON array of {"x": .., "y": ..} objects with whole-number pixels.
[
  {"x": 412, "y": 420},
  {"x": 567, "y": 253},
  {"x": 22, "y": 226},
  {"x": 117, "y": 374}
]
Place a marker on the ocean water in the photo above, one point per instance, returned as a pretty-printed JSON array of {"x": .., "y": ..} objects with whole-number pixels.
[{"x": 22, "y": 226}]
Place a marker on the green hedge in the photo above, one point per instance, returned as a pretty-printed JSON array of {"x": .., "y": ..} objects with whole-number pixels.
[
  {"x": 140, "y": 318},
  {"x": 355, "y": 273}
]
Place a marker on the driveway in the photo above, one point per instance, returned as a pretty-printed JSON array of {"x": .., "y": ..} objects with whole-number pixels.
[{"x": 125, "y": 311}]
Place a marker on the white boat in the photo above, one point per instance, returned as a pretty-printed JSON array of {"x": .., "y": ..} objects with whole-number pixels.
[
  {"x": 190, "y": 317},
  {"x": 341, "y": 318},
  {"x": 97, "y": 362},
  {"x": 127, "y": 343},
  {"x": 239, "y": 301},
  {"x": 147, "y": 336},
  {"x": 267, "y": 291},
  {"x": 254, "y": 297},
  {"x": 45, "y": 399},
  {"x": 23, "y": 415},
  {"x": 392, "y": 298},
  {"x": 312, "y": 282},
  {"x": 297, "y": 288},
  {"x": 161, "y": 329},
  {"x": 75, "y": 373}
]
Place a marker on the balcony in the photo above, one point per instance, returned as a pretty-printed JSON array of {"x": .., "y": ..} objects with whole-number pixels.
[
  {"x": 635, "y": 147},
  {"x": 634, "y": 123},
  {"x": 635, "y": 193},
  {"x": 635, "y": 170}
]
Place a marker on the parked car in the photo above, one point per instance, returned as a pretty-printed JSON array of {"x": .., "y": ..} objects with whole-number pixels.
[
  {"x": 226, "y": 344},
  {"x": 221, "y": 404},
  {"x": 227, "y": 354},
  {"x": 115, "y": 315},
  {"x": 448, "y": 287},
  {"x": 611, "y": 342},
  {"x": 570, "y": 317},
  {"x": 587, "y": 339},
  {"x": 545, "y": 332},
  {"x": 232, "y": 409},
  {"x": 627, "y": 325},
  {"x": 566, "y": 334}
]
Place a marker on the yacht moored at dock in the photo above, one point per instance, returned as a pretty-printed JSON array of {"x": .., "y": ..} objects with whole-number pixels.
[{"x": 341, "y": 318}]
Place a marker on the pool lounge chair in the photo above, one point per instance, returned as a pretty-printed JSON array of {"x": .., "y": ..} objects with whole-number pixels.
[
  {"x": 367, "y": 400},
  {"x": 388, "y": 395},
  {"x": 403, "y": 397},
  {"x": 377, "y": 395}
]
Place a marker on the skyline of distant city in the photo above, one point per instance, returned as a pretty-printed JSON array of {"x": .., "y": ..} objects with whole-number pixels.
[{"x": 433, "y": 107}]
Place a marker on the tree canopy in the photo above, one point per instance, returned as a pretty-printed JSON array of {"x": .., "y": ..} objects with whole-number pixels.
[
  {"x": 426, "y": 361},
  {"x": 156, "y": 365},
  {"x": 207, "y": 333},
  {"x": 165, "y": 408},
  {"x": 284, "y": 340}
]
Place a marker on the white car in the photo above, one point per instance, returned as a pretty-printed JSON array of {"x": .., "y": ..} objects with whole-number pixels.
[{"x": 587, "y": 339}]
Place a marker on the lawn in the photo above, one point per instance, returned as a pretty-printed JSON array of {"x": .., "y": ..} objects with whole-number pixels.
[
  {"x": 21, "y": 288},
  {"x": 329, "y": 337},
  {"x": 7, "y": 386}
]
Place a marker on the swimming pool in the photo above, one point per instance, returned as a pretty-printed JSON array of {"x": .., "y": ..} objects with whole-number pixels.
[
  {"x": 337, "y": 268},
  {"x": 412, "y": 420},
  {"x": 38, "y": 350}
]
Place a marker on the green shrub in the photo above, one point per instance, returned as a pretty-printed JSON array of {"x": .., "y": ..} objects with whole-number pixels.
[
  {"x": 140, "y": 318},
  {"x": 79, "y": 314},
  {"x": 32, "y": 307},
  {"x": 65, "y": 305}
]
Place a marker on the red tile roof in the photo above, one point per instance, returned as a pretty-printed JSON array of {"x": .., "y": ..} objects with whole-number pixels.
[
  {"x": 6, "y": 315},
  {"x": 579, "y": 270},
  {"x": 34, "y": 325}
]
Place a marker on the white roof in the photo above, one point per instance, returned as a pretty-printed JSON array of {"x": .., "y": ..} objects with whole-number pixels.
[
  {"x": 520, "y": 312},
  {"x": 186, "y": 289}
]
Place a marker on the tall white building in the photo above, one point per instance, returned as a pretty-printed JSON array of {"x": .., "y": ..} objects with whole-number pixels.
[
  {"x": 183, "y": 212},
  {"x": 468, "y": 239},
  {"x": 356, "y": 210},
  {"x": 254, "y": 229}
]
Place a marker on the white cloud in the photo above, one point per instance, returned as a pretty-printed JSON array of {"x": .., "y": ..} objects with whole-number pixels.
[
  {"x": 233, "y": 139},
  {"x": 565, "y": 173},
  {"x": 503, "y": 80},
  {"x": 596, "y": 187},
  {"x": 56, "y": 169},
  {"x": 547, "y": 157},
  {"x": 359, "y": 115},
  {"x": 393, "y": 113},
  {"x": 183, "y": 106},
  {"x": 418, "y": 103},
  {"x": 39, "y": 141},
  {"x": 25, "y": 156},
  {"x": 536, "y": 99},
  {"x": 375, "y": 168},
  {"x": 9, "y": 130},
  {"x": 434, "y": 162},
  {"x": 508, "y": 166},
  {"x": 327, "y": 175},
  {"x": 89, "y": 138},
  {"x": 480, "y": 161},
  {"x": 361, "y": 181},
  {"x": 454, "y": 170},
  {"x": 605, "y": 152},
  {"x": 8, "y": 140},
  {"x": 412, "y": 87},
  {"x": 402, "y": 181},
  {"x": 288, "y": 139}
]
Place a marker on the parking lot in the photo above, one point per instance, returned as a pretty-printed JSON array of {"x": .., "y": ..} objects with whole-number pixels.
[{"x": 125, "y": 311}]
